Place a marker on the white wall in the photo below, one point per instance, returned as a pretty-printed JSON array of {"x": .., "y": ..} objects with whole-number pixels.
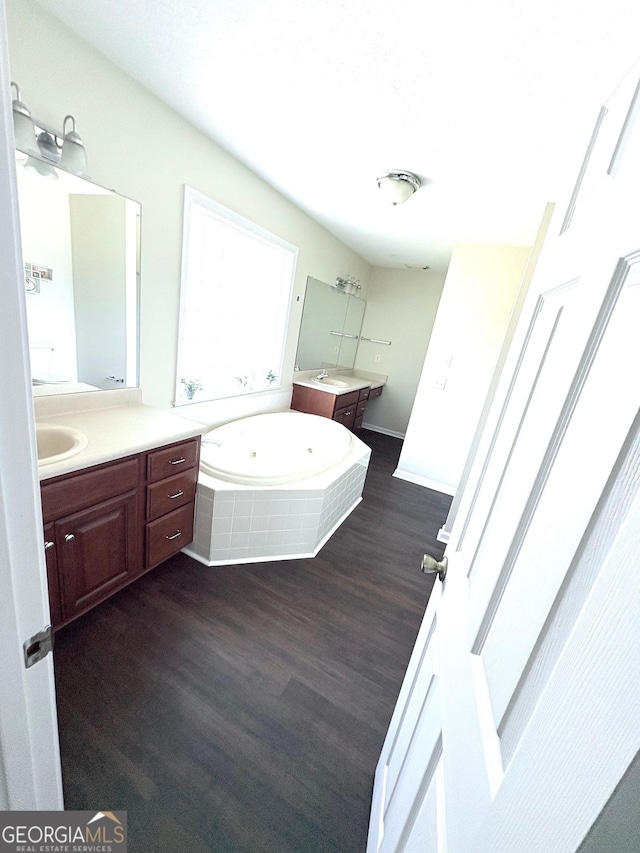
[
  {"x": 141, "y": 148},
  {"x": 479, "y": 293},
  {"x": 401, "y": 308}
]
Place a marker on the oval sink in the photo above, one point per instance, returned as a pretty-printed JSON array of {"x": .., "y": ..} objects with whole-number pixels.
[
  {"x": 56, "y": 442},
  {"x": 336, "y": 383}
]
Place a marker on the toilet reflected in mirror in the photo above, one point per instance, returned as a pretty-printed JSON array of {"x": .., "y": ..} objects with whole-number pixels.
[{"x": 42, "y": 357}]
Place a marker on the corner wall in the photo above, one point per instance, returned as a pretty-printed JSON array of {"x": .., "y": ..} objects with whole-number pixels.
[
  {"x": 401, "y": 308},
  {"x": 478, "y": 297}
]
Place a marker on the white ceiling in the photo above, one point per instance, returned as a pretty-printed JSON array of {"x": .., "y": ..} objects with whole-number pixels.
[{"x": 491, "y": 103}]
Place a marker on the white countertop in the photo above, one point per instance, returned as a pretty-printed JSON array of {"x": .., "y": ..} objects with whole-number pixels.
[
  {"x": 116, "y": 426},
  {"x": 356, "y": 379}
]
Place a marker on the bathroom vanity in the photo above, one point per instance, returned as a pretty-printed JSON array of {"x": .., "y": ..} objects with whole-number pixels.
[
  {"x": 106, "y": 524},
  {"x": 343, "y": 399}
]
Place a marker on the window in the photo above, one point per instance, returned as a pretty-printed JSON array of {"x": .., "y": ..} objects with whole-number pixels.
[{"x": 237, "y": 281}]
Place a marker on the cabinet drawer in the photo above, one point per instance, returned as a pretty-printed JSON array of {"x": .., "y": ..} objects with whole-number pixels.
[
  {"x": 171, "y": 493},
  {"x": 375, "y": 392},
  {"x": 79, "y": 491},
  {"x": 364, "y": 393},
  {"x": 360, "y": 409},
  {"x": 344, "y": 401},
  {"x": 169, "y": 534},
  {"x": 170, "y": 460}
]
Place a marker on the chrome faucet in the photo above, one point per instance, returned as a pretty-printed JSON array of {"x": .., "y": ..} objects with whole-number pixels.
[{"x": 323, "y": 375}]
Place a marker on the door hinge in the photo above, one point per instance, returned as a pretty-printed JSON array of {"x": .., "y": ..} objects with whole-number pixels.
[{"x": 38, "y": 646}]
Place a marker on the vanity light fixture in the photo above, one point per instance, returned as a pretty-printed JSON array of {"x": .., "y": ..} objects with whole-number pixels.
[
  {"x": 397, "y": 186},
  {"x": 65, "y": 149},
  {"x": 350, "y": 284}
]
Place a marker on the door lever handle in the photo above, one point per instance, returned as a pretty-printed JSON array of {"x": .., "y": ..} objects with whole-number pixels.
[{"x": 431, "y": 566}]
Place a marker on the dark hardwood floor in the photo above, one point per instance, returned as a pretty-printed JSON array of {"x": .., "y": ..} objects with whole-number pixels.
[{"x": 243, "y": 708}]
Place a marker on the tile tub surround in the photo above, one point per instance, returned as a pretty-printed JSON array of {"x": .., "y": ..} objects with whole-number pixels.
[{"x": 245, "y": 524}]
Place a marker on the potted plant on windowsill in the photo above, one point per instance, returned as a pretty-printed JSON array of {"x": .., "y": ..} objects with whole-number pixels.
[{"x": 190, "y": 387}]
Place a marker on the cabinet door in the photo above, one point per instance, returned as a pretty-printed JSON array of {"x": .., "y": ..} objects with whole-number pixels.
[
  {"x": 97, "y": 552},
  {"x": 346, "y": 417},
  {"x": 55, "y": 605}
]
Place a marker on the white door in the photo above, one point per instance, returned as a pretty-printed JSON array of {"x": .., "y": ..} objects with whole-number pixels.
[
  {"x": 30, "y": 775},
  {"x": 520, "y": 710}
]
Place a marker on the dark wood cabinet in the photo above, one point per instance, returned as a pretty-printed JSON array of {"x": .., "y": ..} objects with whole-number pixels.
[
  {"x": 97, "y": 552},
  {"x": 172, "y": 475},
  {"x": 348, "y": 409},
  {"x": 344, "y": 410},
  {"x": 106, "y": 525}
]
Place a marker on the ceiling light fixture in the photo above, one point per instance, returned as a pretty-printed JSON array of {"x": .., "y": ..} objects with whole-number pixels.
[{"x": 398, "y": 186}]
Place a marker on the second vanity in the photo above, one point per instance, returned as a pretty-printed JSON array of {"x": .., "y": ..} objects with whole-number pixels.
[
  {"x": 122, "y": 504},
  {"x": 339, "y": 396}
]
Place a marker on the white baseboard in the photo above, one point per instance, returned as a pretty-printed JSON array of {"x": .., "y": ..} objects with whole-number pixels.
[
  {"x": 384, "y": 431},
  {"x": 445, "y": 488}
]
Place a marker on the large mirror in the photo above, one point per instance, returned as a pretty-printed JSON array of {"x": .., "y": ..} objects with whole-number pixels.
[
  {"x": 81, "y": 249},
  {"x": 330, "y": 328}
]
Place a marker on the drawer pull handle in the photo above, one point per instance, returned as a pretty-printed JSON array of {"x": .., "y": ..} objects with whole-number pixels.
[
  {"x": 69, "y": 537},
  {"x": 48, "y": 545},
  {"x": 175, "y": 535},
  {"x": 177, "y": 461},
  {"x": 178, "y": 494}
]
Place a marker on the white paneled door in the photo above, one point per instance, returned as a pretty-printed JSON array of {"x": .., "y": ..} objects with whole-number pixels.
[
  {"x": 520, "y": 710},
  {"x": 30, "y": 776}
]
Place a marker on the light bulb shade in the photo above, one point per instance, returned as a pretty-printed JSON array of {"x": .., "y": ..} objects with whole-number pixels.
[
  {"x": 24, "y": 133},
  {"x": 35, "y": 164},
  {"x": 47, "y": 147},
  {"x": 74, "y": 156},
  {"x": 397, "y": 187},
  {"x": 23, "y": 130}
]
